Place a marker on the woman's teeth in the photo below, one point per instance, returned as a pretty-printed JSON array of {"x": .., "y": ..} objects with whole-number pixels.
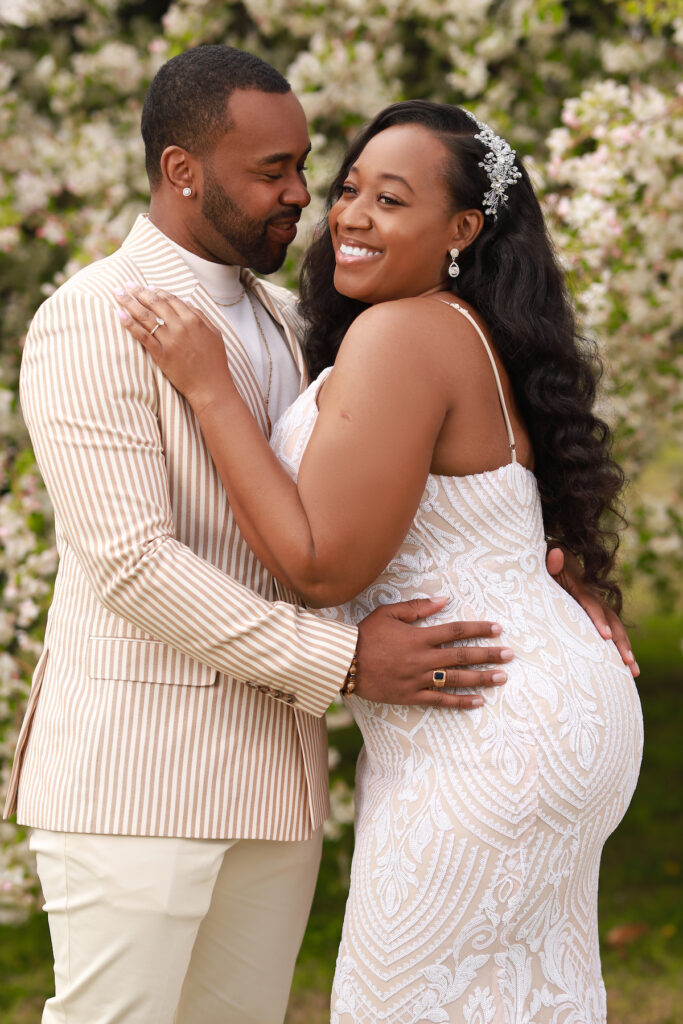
[{"x": 355, "y": 250}]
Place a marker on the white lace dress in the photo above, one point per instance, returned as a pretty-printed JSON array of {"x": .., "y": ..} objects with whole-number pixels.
[{"x": 474, "y": 880}]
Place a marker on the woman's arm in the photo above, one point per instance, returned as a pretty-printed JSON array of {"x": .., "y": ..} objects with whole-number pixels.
[
  {"x": 365, "y": 467},
  {"x": 328, "y": 544}
]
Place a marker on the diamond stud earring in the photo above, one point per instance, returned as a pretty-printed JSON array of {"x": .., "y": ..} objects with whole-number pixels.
[{"x": 187, "y": 191}]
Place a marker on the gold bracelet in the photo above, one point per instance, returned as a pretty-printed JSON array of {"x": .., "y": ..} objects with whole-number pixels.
[{"x": 350, "y": 681}]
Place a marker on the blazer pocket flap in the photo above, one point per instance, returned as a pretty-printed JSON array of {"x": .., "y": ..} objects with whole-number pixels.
[{"x": 145, "y": 661}]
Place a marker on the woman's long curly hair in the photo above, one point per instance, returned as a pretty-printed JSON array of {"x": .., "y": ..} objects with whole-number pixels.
[{"x": 511, "y": 276}]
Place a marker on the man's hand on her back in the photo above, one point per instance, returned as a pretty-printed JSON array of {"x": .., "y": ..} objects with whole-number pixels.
[
  {"x": 396, "y": 661},
  {"x": 568, "y": 571}
]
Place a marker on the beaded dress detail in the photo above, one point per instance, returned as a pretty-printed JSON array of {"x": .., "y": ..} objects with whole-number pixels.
[{"x": 479, "y": 832}]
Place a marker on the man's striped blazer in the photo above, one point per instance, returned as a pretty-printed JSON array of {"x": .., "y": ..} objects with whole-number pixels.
[{"x": 173, "y": 697}]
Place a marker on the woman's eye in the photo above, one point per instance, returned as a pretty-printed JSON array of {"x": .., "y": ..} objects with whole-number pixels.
[
  {"x": 388, "y": 200},
  {"x": 348, "y": 190}
]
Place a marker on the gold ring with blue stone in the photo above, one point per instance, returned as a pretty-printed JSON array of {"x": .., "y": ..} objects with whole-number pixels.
[{"x": 439, "y": 677}]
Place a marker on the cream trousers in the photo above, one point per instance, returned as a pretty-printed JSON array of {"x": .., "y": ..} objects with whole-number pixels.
[{"x": 173, "y": 931}]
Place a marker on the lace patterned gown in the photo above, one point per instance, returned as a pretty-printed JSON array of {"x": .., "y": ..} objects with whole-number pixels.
[{"x": 474, "y": 880}]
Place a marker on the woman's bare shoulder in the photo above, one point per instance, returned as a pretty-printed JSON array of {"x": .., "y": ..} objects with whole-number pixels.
[
  {"x": 401, "y": 323},
  {"x": 421, "y": 329}
]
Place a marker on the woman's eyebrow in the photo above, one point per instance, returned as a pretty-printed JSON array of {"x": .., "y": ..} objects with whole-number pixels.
[{"x": 386, "y": 175}]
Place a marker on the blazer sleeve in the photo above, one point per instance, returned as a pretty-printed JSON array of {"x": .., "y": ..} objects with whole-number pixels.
[{"x": 90, "y": 400}]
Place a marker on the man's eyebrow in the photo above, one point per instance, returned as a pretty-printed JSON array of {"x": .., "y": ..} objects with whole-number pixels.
[
  {"x": 385, "y": 175},
  {"x": 278, "y": 158}
]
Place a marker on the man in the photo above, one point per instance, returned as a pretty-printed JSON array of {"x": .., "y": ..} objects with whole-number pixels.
[{"x": 172, "y": 763}]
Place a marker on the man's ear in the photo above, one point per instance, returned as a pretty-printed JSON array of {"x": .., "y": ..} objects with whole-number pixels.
[{"x": 179, "y": 169}]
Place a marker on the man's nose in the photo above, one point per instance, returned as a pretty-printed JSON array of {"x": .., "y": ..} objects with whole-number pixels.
[{"x": 296, "y": 193}]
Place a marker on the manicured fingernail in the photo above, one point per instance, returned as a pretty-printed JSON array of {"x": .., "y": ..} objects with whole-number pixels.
[
  {"x": 120, "y": 292},
  {"x": 477, "y": 702},
  {"x": 636, "y": 670},
  {"x": 607, "y": 633},
  {"x": 496, "y": 630},
  {"x": 630, "y": 656},
  {"x": 506, "y": 654},
  {"x": 132, "y": 285},
  {"x": 499, "y": 677},
  {"x": 122, "y": 315}
]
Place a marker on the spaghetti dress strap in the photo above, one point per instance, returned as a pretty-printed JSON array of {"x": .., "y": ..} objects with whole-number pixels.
[{"x": 501, "y": 397}]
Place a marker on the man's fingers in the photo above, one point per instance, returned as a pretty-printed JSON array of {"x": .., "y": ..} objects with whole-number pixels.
[
  {"x": 596, "y": 611},
  {"x": 454, "y": 677},
  {"x": 623, "y": 644},
  {"x": 627, "y": 656},
  {"x": 463, "y": 657},
  {"x": 423, "y": 607},
  {"x": 568, "y": 572},
  {"x": 554, "y": 561},
  {"x": 608, "y": 625},
  {"x": 448, "y": 632},
  {"x": 418, "y": 608},
  {"x": 437, "y": 699}
]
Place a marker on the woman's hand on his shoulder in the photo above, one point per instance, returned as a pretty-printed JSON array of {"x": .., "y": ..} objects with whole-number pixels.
[{"x": 181, "y": 340}]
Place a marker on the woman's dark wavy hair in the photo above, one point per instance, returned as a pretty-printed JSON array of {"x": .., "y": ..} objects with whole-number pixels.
[{"x": 511, "y": 276}]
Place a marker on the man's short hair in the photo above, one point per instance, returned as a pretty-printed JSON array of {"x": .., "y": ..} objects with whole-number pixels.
[{"x": 187, "y": 99}]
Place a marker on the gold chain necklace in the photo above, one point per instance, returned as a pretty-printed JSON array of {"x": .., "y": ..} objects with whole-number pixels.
[
  {"x": 234, "y": 302},
  {"x": 270, "y": 358}
]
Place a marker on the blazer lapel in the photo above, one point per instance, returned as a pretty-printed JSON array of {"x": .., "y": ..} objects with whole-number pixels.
[
  {"x": 241, "y": 367},
  {"x": 163, "y": 267},
  {"x": 281, "y": 306},
  {"x": 158, "y": 260}
]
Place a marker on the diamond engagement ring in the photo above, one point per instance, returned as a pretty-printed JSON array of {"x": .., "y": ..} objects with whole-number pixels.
[{"x": 158, "y": 324}]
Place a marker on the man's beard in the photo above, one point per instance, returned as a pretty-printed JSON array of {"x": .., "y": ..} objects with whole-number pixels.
[{"x": 246, "y": 236}]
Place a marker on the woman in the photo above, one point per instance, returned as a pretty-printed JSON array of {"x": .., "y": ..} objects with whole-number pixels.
[{"x": 450, "y": 437}]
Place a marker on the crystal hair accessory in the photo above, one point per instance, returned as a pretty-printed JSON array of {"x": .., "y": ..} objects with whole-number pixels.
[{"x": 499, "y": 164}]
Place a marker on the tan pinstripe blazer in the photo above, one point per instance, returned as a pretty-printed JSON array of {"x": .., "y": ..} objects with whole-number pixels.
[{"x": 172, "y": 698}]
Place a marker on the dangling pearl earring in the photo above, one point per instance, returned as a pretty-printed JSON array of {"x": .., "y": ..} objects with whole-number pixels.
[
  {"x": 454, "y": 269},
  {"x": 187, "y": 191}
]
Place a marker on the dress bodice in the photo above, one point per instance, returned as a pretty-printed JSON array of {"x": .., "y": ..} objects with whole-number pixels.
[{"x": 471, "y": 534}]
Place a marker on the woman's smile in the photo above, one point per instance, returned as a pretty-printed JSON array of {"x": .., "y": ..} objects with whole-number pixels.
[{"x": 354, "y": 252}]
